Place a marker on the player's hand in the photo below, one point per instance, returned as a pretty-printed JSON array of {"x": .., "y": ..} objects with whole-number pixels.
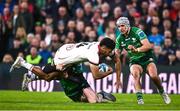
[
  {"x": 132, "y": 48},
  {"x": 118, "y": 84},
  {"x": 110, "y": 69},
  {"x": 65, "y": 74}
]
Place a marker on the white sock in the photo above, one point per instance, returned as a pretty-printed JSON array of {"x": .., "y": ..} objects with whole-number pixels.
[
  {"x": 139, "y": 91},
  {"x": 27, "y": 65}
]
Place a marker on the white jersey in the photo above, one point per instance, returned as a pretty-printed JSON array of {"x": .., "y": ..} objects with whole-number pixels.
[{"x": 69, "y": 54}]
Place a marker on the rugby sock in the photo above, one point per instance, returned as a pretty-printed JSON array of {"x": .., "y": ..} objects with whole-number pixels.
[
  {"x": 161, "y": 90},
  {"x": 27, "y": 65},
  {"x": 139, "y": 95}
]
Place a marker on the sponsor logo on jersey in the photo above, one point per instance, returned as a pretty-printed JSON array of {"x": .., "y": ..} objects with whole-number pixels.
[
  {"x": 122, "y": 44},
  {"x": 141, "y": 34},
  {"x": 134, "y": 39},
  {"x": 150, "y": 59}
]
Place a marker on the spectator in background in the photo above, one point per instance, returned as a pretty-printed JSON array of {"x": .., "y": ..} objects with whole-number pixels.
[
  {"x": 177, "y": 38},
  {"x": 155, "y": 37},
  {"x": 144, "y": 5},
  {"x": 96, "y": 18},
  {"x": 174, "y": 10},
  {"x": 21, "y": 34},
  {"x": 61, "y": 31},
  {"x": 33, "y": 43},
  {"x": 50, "y": 7},
  {"x": 4, "y": 71},
  {"x": 33, "y": 57},
  {"x": 27, "y": 17},
  {"x": 7, "y": 28},
  {"x": 71, "y": 27},
  {"x": 7, "y": 59},
  {"x": 6, "y": 15},
  {"x": 158, "y": 53},
  {"x": 62, "y": 15},
  {"x": 17, "y": 20},
  {"x": 48, "y": 35},
  {"x": 80, "y": 26},
  {"x": 44, "y": 53},
  {"x": 117, "y": 12},
  {"x": 79, "y": 15},
  {"x": 38, "y": 28},
  {"x": 137, "y": 19},
  {"x": 155, "y": 21},
  {"x": 87, "y": 30},
  {"x": 16, "y": 49},
  {"x": 167, "y": 25},
  {"x": 178, "y": 57},
  {"x": 30, "y": 5},
  {"x": 55, "y": 43},
  {"x": 105, "y": 8},
  {"x": 177, "y": 22},
  {"x": 92, "y": 36},
  {"x": 168, "y": 52},
  {"x": 88, "y": 12},
  {"x": 49, "y": 20},
  {"x": 168, "y": 34},
  {"x": 166, "y": 14},
  {"x": 171, "y": 58},
  {"x": 71, "y": 37}
]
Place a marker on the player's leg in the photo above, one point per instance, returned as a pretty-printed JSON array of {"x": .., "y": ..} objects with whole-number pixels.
[
  {"x": 20, "y": 62},
  {"x": 102, "y": 96},
  {"x": 36, "y": 70},
  {"x": 152, "y": 71},
  {"x": 90, "y": 95},
  {"x": 136, "y": 71},
  {"x": 106, "y": 96}
]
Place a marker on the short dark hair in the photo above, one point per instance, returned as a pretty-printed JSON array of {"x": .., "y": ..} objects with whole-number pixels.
[{"x": 109, "y": 43}]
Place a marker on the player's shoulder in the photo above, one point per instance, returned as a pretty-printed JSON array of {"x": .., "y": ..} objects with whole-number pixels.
[{"x": 135, "y": 29}]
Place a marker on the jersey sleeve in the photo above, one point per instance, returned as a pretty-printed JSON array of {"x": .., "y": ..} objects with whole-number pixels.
[{"x": 141, "y": 35}]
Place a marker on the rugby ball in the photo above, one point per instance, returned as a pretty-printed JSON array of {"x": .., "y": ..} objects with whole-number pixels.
[{"x": 103, "y": 67}]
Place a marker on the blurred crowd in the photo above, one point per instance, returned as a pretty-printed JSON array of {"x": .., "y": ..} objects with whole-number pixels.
[{"x": 35, "y": 29}]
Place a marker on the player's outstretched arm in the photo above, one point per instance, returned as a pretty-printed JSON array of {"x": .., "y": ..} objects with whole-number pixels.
[{"x": 118, "y": 69}]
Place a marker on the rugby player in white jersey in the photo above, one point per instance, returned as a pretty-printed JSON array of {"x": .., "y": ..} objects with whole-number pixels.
[{"x": 70, "y": 54}]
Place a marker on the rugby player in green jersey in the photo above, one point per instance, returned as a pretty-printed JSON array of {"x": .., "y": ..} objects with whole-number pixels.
[{"x": 141, "y": 57}]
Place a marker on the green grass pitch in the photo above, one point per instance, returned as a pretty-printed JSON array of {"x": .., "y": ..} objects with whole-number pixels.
[{"x": 17, "y": 100}]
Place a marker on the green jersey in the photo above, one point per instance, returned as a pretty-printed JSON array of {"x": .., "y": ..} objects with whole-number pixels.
[{"x": 134, "y": 38}]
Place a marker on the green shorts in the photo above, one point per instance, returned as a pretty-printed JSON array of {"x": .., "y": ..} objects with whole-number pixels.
[
  {"x": 143, "y": 62},
  {"x": 73, "y": 87}
]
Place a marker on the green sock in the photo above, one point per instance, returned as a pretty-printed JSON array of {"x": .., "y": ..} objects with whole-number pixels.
[
  {"x": 139, "y": 95},
  {"x": 161, "y": 90}
]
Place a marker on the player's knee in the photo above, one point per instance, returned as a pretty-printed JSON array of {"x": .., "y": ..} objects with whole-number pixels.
[
  {"x": 92, "y": 100},
  {"x": 136, "y": 74}
]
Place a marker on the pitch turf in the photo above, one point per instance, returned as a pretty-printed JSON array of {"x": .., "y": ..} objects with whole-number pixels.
[{"x": 17, "y": 100}]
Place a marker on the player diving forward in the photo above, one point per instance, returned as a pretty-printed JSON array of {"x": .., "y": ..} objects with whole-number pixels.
[{"x": 73, "y": 54}]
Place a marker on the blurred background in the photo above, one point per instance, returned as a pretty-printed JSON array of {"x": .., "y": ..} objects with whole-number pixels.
[{"x": 35, "y": 29}]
